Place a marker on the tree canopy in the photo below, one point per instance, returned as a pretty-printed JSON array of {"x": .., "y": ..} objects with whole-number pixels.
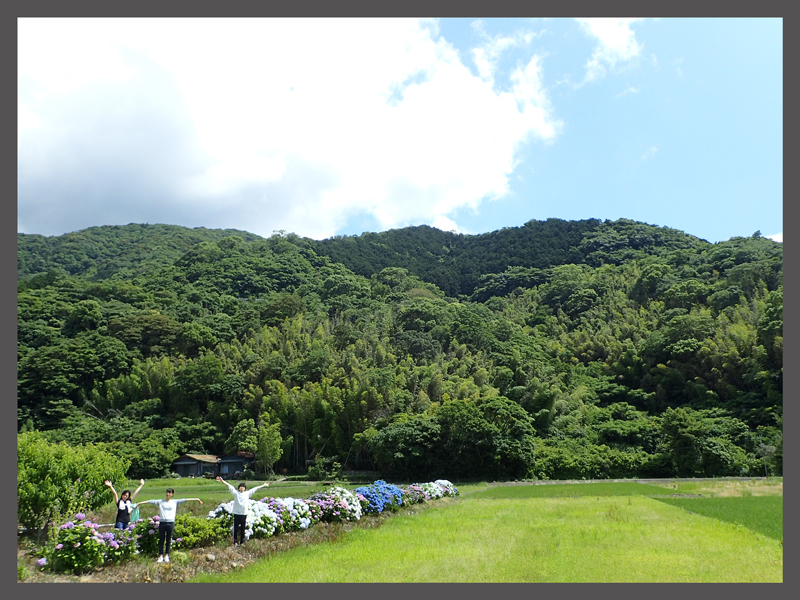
[{"x": 555, "y": 349}]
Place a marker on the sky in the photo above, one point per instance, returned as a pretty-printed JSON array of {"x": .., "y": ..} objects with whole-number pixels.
[{"x": 327, "y": 127}]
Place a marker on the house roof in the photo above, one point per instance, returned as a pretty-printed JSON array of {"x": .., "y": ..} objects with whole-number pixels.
[
  {"x": 236, "y": 458},
  {"x": 207, "y": 458}
]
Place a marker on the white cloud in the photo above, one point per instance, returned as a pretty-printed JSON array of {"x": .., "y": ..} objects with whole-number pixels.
[
  {"x": 288, "y": 124},
  {"x": 616, "y": 43},
  {"x": 650, "y": 152},
  {"x": 487, "y": 55},
  {"x": 778, "y": 237},
  {"x": 629, "y": 90},
  {"x": 445, "y": 224}
]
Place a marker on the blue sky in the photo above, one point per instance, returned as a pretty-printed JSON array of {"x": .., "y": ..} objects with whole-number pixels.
[{"x": 334, "y": 127}]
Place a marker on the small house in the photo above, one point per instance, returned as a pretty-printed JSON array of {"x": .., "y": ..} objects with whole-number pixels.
[
  {"x": 196, "y": 465},
  {"x": 234, "y": 465}
]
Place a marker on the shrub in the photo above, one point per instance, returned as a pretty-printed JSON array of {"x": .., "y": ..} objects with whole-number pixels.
[
  {"x": 261, "y": 521},
  {"x": 292, "y": 514},
  {"x": 449, "y": 488},
  {"x": 412, "y": 494},
  {"x": 190, "y": 532},
  {"x": 336, "y": 504},
  {"x": 57, "y": 479},
  {"x": 431, "y": 490},
  {"x": 197, "y": 532},
  {"x": 324, "y": 468},
  {"x": 379, "y": 496},
  {"x": 79, "y": 547}
]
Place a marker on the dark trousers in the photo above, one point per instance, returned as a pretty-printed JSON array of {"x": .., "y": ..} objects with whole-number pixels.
[
  {"x": 238, "y": 528},
  {"x": 165, "y": 530}
]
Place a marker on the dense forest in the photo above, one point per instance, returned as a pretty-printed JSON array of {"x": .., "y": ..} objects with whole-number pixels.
[{"x": 558, "y": 349}]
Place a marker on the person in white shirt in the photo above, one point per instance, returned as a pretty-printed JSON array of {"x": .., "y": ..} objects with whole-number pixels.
[
  {"x": 241, "y": 498},
  {"x": 167, "y": 509},
  {"x": 124, "y": 505}
]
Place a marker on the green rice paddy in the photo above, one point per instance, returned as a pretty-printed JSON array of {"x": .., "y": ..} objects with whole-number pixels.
[
  {"x": 763, "y": 514},
  {"x": 549, "y": 533}
]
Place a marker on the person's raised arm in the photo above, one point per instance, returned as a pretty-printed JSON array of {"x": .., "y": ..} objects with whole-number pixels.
[
  {"x": 113, "y": 491},
  {"x": 221, "y": 480},
  {"x": 265, "y": 484},
  {"x": 141, "y": 485}
]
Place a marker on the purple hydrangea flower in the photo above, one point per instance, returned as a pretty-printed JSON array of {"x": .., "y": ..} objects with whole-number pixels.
[
  {"x": 41, "y": 562},
  {"x": 80, "y": 516},
  {"x": 59, "y": 546}
]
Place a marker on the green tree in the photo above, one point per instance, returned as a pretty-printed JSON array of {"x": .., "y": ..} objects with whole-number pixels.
[
  {"x": 243, "y": 438},
  {"x": 56, "y": 480},
  {"x": 270, "y": 447},
  {"x": 407, "y": 449}
]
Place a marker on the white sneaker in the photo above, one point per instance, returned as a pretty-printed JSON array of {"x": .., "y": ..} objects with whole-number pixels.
[
  {"x": 166, "y": 558},
  {"x": 160, "y": 559}
]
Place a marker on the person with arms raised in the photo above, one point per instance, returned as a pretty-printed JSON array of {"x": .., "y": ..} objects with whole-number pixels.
[
  {"x": 241, "y": 499},
  {"x": 167, "y": 509}
]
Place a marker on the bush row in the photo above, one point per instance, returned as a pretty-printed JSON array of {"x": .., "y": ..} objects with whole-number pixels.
[{"x": 79, "y": 546}]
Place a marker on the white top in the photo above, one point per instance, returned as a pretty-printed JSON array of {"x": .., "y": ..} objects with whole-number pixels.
[
  {"x": 240, "y": 499},
  {"x": 166, "y": 508}
]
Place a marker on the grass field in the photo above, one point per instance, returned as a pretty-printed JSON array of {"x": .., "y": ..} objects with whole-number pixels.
[
  {"x": 763, "y": 514},
  {"x": 545, "y": 533},
  {"x": 571, "y": 490}
]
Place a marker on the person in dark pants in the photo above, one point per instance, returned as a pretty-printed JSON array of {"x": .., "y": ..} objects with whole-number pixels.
[
  {"x": 167, "y": 509},
  {"x": 241, "y": 498},
  {"x": 124, "y": 505}
]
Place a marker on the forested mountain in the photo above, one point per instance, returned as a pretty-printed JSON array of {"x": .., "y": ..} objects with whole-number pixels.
[
  {"x": 100, "y": 252},
  {"x": 458, "y": 264},
  {"x": 556, "y": 349}
]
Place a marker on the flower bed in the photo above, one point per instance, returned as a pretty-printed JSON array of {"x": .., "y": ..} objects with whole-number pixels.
[{"x": 79, "y": 547}]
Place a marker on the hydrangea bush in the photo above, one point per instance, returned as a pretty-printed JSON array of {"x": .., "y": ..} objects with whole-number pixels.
[
  {"x": 336, "y": 504},
  {"x": 292, "y": 514},
  {"x": 412, "y": 494},
  {"x": 80, "y": 547},
  {"x": 379, "y": 496},
  {"x": 431, "y": 490},
  {"x": 261, "y": 520},
  {"x": 449, "y": 489}
]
